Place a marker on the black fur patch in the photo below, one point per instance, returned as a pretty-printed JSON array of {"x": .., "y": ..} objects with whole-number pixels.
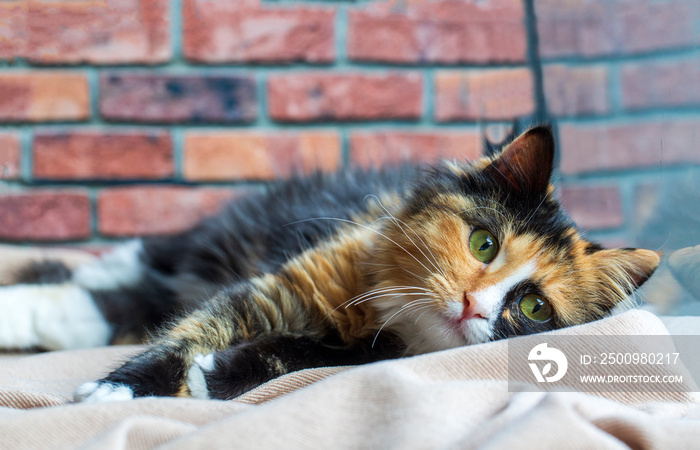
[
  {"x": 44, "y": 272},
  {"x": 504, "y": 328},
  {"x": 248, "y": 365},
  {"x": 156, "y": 372},
  {"x": 592, "y": 247}
]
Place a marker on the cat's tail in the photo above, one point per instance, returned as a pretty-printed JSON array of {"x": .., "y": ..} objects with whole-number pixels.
[{"x": 116, "y": 298}]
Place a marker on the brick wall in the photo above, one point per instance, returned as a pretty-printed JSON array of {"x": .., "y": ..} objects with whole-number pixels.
[{"x": 128, "y": 117}]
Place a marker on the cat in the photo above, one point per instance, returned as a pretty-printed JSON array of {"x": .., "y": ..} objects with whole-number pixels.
[{"x": 333, "y": 269}]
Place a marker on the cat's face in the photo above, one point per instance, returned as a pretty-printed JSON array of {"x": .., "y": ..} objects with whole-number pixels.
[{"x": 483, "y": 251}]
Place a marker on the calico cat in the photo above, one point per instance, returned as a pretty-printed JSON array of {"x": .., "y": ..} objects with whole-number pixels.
[{"x": 339, "y": 269}]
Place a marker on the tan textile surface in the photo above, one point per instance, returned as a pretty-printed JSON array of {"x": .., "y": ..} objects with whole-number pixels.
[{"x": 452, "y": 399}]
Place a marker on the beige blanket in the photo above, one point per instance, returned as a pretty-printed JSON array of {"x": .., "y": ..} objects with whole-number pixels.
[{"x": 451, "y": 399}]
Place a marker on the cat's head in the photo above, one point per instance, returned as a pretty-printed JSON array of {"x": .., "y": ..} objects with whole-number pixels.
[{"x": 483, "y": 250}]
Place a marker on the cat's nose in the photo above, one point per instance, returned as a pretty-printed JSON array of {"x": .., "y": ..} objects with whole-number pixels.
[{"x": 472, "y": 309}]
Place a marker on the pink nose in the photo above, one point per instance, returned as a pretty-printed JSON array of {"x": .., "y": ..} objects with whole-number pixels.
[{"x": 471, "y": 309}]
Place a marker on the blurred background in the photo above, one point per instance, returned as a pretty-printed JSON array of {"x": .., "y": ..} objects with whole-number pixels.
[{"x": 121, "y": 118}]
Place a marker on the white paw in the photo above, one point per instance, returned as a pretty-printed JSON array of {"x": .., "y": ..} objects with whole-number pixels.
[
  {"x": 118, "y": 268},
  {"x": 206, "y": 362},
  {"x": 51, "y": 316},
  {"x": 196, "y": 380},
  {"x": 95, "y": 392}
]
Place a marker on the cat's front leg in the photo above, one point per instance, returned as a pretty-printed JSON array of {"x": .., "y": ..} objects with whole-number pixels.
[
  {"x": 227, "y": 374},
  {"x": 238, "y": 314},
  {"x": 302, "y": 299},
  {"x": 156, "y": 372}
]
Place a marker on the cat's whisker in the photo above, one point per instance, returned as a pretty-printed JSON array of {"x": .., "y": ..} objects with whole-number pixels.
[
  {"x": 424, "y": 337},
  {"x": 367, "y": 263},
  {"x": 394, "y": 267},
  {"x": 396, "y": 296},
  {"x": 424, "y": 279},
  {"x": 427, "y": 309},
  {"x": 386, "y": 295},
  {"x": 424, "y": 300},
  {"x": 378, "y": 293},
  {"x": 432, "y": 327},
  {"x": 375, "y": 272},
  {"x": 425, "y": 303},
  {"x": 481, "y": 207},
  {"x": 367, "y": 228},
  {"x": 498, "y": 335},
  {"x": 383, "y": 290},
  {"x": 414, "y": 302},
  {"x": 432, "y": 261},
  {"x": 347, "y": 303},
  {"x": 401, "y": 310},
  {"x": 425, "y": 306},
  {"x": 532, "y": 215},
  {"x": 398, "y": 223},
  {"x": 635, "y": 300}
]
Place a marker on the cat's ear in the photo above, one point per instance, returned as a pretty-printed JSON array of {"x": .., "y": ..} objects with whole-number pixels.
[
  {"x": 525, "y": 165},
  {"x": 626, "y": 268}
]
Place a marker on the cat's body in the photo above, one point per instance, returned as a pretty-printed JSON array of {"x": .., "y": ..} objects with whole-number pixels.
[{"x": 345, "y": 269}]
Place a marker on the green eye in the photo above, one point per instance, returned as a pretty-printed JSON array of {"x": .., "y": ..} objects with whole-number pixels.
[
  {"x": 535, "y": 308},
  {"x": 483, "y": 245}
]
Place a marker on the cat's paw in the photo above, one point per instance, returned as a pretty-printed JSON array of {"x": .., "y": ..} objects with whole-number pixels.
[
  {"x": 102, "y": 391},
  {"x": 196, "y": 376},
  {"x": 52, "y": 317}
]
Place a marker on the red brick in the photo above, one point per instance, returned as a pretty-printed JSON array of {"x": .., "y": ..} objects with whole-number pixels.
[
  {"x": 148, "y": 210},
  {"x": 167, "y": 98},
  {"x": 44, "y": 96},
  {"x": 602, "y": 27},
  {"x": 604, "y": 146},
  {"x": 483, "y": 94},
  {"x": 9, "y": 156},
  {"x": 95, "y": 32},
  {"x": 660, "y": 84},
  {"x": 650, "y": 25},
  {"x": 45, "y": 216},
  {"x": 593, "y": 207},
  {"x": 301, "y": 97},
  {"x": 444, "y": 31},
  {"x": 373, "y": 149},
  {"x": 219, "y": 32},
  {"x": 79, "y": 155},
  {"x": 254, "y": 156},
  {"x": 576, "y": 91},
  {"x": 575, "y": 28}
]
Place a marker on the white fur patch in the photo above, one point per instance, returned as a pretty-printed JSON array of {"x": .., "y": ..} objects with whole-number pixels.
[
  {"x": 95, "y": 392},
  {"x": 422, "y": 330},
  {"x": 52, "y": 316},
  {"x": 206, "y": 362},
  {"x": 118, "y": 268},
  {"x": 429, "y": 333},
  {"x": 489, "y": 303},
  {"x": 490, "y": 300},
  {"x": 434, "y": 328},
  {"x": 196, "y": 380}
]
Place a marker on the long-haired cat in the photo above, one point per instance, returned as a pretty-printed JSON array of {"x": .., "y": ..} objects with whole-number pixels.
[{"x": 336, "y": 269}]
